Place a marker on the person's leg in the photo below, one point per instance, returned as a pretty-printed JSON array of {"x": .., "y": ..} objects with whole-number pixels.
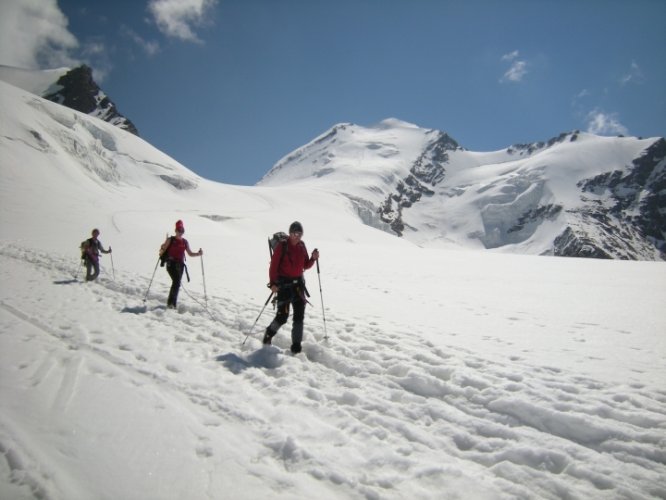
[
  {"x": 95, "y": 265},
  {"x": 89, "y": 268},
  {"x": 297, "y": 324},
  {"x": 175, "y": 270},
  {"x": 283, "y": 302}
]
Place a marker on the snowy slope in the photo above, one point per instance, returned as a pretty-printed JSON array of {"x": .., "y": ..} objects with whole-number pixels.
[
  {"x": 446, "y": 374},
  {"x": 576, "y": 195},
  {"x": 74, "y": 88},
  {"x": 37, "y": 82}
]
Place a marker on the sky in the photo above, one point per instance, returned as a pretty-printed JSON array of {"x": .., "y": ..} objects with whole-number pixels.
[{"x": 229, "y": 87}]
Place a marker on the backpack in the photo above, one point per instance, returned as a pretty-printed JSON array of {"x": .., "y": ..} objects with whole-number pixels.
[
  {"x": 164, "y": 256},
  {"x": 274, "y": 240},
  {"x": 85, "y": 244},
  {"x": 279, "y": 238}
]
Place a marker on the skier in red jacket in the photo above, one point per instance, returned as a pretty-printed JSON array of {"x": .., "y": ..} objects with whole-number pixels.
[
  {"x": 175, "y": 248},
  {"x": 290, "y": 259}
]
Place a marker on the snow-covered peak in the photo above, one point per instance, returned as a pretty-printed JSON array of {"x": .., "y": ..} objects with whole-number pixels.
[
  {"x": 394, "y": 123},
  {"x": 528, "y": 198},
  {"x": 353, "y": 156},
  {"x": 104, "y": 156},
  {"x": 74, "y": 88}
]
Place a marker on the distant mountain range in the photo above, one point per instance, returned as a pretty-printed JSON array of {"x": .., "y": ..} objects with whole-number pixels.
[{"x": 577, "y": 194}]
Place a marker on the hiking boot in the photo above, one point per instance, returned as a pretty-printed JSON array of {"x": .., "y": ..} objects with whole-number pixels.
[
  {"x": 267, "y": 338},
  {"x": 295, "y": 348}
]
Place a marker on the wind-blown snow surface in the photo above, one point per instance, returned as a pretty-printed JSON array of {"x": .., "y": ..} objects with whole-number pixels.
[{"x": 445, "y": 374}]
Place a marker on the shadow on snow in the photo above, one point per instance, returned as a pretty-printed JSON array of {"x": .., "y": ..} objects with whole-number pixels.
[
  {"x": 66, "y": 282},
  {"x": 266, "y": 357},
  {"x": 141, "y": 309}
]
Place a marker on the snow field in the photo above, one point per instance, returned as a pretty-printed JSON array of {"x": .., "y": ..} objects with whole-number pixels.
[{"x": 171, "y": 403}]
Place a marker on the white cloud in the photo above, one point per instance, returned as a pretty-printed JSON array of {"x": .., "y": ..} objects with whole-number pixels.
[
  {"x": 601, "y": 123},
  {"x": 634, "y": 75},
  {"x": 34, "y": 35},
  {"x": 149, "y": 47},
  {"x": 576, "y": 101},
  {"x": 177, "y": 18},
  {"x": 516, "y": 72},
  {"x": 95, "y": 50},
  {"x": 510, "y": 56},
  {"x": 583, "y": 93},
  {"x": 518, "y": 69}
]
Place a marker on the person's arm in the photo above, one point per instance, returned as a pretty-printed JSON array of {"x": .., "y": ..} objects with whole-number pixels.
[
  {"x": 165, "y": 245},
  {"x": 309, "y": 261},
  {"x": 190, "y": 253}
]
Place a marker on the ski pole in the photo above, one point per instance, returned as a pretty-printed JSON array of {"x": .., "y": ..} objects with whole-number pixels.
[
  {"x": 256, "y": 320},
  {"x": 321, "y": 295},
  {"x": 151, "y": 280},
  {"x": 113, "y": 268},
  {"x": 78, "y": 270},
  {"x": 204, "y": 282}
]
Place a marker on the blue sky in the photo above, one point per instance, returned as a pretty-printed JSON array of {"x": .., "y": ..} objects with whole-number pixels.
[{"x": 228, "y": 87}]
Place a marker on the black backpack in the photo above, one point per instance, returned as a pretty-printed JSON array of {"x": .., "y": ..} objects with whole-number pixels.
[{"x": 164, "y": 256}]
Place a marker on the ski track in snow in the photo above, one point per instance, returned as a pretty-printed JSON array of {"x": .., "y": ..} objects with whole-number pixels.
[{"x": 406, "y": 419}]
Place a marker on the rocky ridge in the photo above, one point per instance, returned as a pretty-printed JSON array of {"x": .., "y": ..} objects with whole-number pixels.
[{"x": 78, "y": 90}]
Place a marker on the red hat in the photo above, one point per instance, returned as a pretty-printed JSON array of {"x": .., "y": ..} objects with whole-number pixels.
[{"x": 179, "y": 225}]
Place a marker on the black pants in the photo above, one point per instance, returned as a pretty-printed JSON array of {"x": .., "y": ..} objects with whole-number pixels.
[
  {"x": 290, "y": 294},
  {"x": 92, "y": 269},
  {"x": 175, "y": 270}
]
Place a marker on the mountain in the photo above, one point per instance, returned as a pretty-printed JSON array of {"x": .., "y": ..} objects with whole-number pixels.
[
  {"x": 74, "y": 88},
  {"x": 577, "y": 194},
  {"x": 78, "y": 90},
  {"x": 426, "y": 373}
]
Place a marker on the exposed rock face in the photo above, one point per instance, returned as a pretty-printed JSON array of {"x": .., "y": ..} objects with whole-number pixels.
[
  {"x": 623, "y": 216},
  {"x": 427, "y": 170},
  {"x": 79, "y": 91}
]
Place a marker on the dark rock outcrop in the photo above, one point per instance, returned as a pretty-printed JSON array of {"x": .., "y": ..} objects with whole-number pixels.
[
  {"x": 79, "y": 91},
  {"x": 427, "y": 170},
  {"x": 623, "y": 215}
]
